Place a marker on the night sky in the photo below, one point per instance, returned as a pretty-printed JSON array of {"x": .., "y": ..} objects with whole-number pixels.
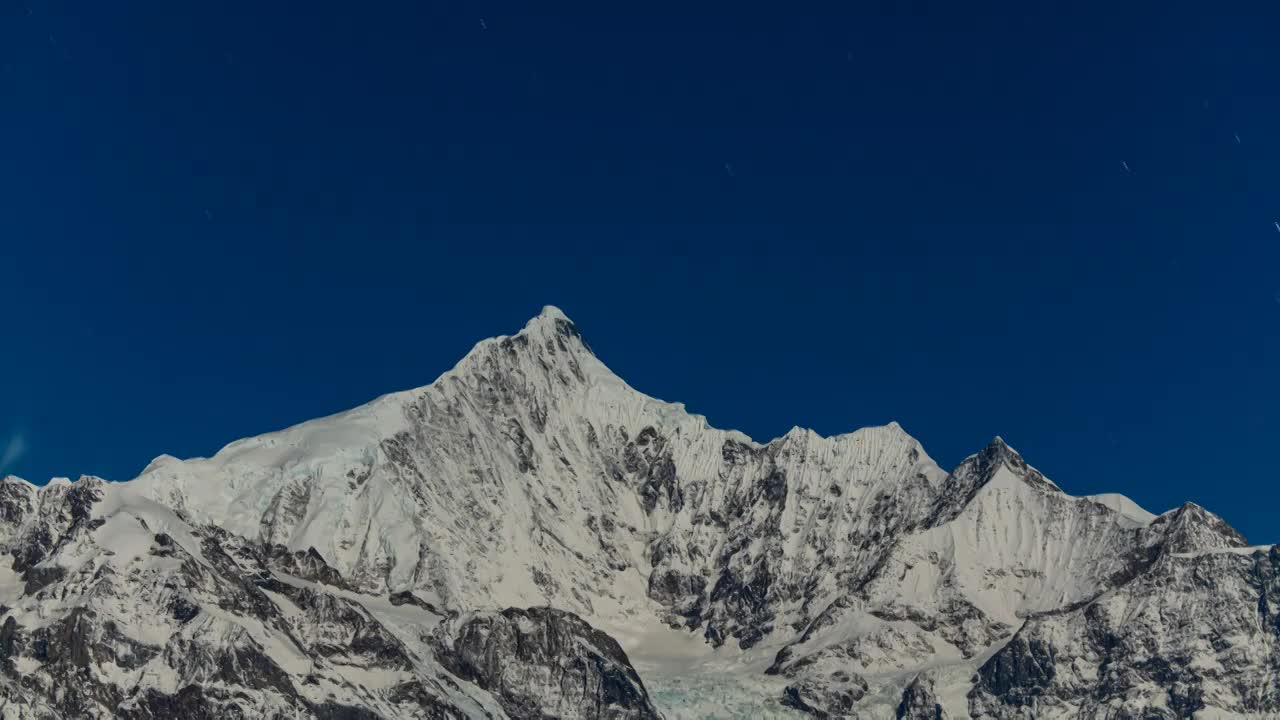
[{"x": 1052, "y": 222}]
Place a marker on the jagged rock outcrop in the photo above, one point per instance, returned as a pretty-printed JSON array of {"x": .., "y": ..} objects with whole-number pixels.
[
  {"x": 920, "y": 702},
  {"x": 833, "y": 696},
  {"x": 439, "y": 553},
  {"x": 544, "y": 663}
]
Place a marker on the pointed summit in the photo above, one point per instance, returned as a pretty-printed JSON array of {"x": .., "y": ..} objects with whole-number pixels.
[
  {"x": 998, "y": 453},
  {"x": 999, "y": 448},
  {"x": 992, "y": 456},
  {"x": 981, "y": 468},
  {"x": 553, "y": 312},
  {"x": 552, "y": 323},
  {"x": 548, "y": 346},
  {"x": 1190, "y": 528},
  {"x": 549, "y": 317}
]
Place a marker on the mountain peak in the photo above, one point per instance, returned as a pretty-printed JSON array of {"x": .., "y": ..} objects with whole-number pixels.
[
  {"x": 1191, "y": 528},
  {"x": 994, "y": 454},
  {"x": 1000, "y": 447},
  {"x": 553, "y": 324},
  {"x": 15, "y": 480},
  {"x": 549, "y": 330},
  {"x": 550, "y": 316},
  {"x": 554, "y": 313},
  {"x": 981, "y": 468}
]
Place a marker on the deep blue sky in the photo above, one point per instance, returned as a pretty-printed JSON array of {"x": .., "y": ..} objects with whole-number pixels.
[{"x": 218, "y": 219}]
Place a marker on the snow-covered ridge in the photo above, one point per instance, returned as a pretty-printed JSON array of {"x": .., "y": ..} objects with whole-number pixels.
[
  {"x": 1124, "y": 506},
  {"x": 331, "y": 431}
]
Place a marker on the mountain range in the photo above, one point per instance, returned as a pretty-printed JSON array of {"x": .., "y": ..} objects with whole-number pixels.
[{"x": 530, "y": 537}]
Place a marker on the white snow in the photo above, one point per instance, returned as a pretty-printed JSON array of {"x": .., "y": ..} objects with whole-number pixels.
[
  {"x": 1227, "y": 550},
  {"x": 1124, "y": 506}
]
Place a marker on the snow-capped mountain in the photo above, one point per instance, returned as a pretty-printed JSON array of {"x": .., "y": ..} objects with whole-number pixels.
[{"x": 530, "y": 537}]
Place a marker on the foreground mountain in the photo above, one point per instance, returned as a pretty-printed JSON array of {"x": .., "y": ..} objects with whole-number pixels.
[{"x": 529, "y": 537}]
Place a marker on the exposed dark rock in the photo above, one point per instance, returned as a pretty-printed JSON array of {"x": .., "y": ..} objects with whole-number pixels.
[
  {"x": 744, "y": 598},
  {"x": 193, "y": 702},
  {"x": 38, "y": 578},
  {"x": 544, "y": 663},
  {"x": 334, "y": 711},
  {"x": 648, "y": 465},
  {"x": 307, "y": 565},
  {"x": 183, "y": 609},
  {"x": 919, "y": 702},
  {"x": 1020, "y": 672},
  {"x": 824, "y": 699},
  {"x": 406, "y": 597}
]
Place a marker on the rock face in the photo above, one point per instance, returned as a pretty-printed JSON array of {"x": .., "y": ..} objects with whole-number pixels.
[
  {"x": 439, "y": 553},
  {"x": 919, "y": 702},
  {"x": 544, "y": 663}
]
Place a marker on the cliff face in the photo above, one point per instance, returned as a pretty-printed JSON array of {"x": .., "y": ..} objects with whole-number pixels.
[{"x": 542, "y": 662}]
